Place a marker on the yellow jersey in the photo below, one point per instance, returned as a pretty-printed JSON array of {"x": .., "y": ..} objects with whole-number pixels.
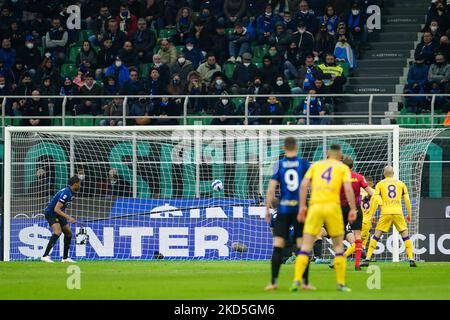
[
  {"x": 327, "y": 177},
  {"x": 375, "y": 200},
  {"x": 392, "y": 191}
]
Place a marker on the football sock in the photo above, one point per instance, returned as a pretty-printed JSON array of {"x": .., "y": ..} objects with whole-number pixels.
[
  {"x": 66, "y": 246},
  {"x": 408, "y": 247},
  {"x": 372, "y": 247},
  {"x": 339, "y": 267},
  {"x": 358, "y": 251},
  {"x": 350, "y": 250},
  {"x": 305, "y": 279},
  {"x": 301, "y": 263},
  {"x": 277, "y": 259},
  {"x": 317, "y": 249},
  {"x": 50, "y": 244}
]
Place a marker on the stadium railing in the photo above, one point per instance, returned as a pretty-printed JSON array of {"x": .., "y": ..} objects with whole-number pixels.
[{"x": 367, "y": 115}]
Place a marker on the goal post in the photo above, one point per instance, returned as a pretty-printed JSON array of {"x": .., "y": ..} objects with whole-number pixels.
[{"x": 147, "y": 190}]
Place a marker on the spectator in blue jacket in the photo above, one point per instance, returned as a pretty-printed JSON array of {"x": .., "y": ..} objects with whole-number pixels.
[
  {"x": 265, "y": 25},
  {"x": 239, "y": 43},
  {"x": 119, "y": 71},
  {"x": 307, "y": 16},
  {"x": 287, "y": 21},
  {"x": 193, "y": 54},
  {"x": 418, "y": 73},
  {"x": 330, "y": 20},
  {"x": 7, "y": 54},
  {"x": 315, "y": 110},
  {"x": 426, "y": 48}
]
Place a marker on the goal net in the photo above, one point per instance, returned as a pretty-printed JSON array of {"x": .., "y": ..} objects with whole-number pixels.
[{"x": 146, "y": 192}]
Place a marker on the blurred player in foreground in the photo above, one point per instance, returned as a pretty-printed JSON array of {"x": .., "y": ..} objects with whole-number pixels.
[
  {"x": 288, "y": 173},
  {"x": 326, "y": 178},
  {"x": 59, "y": 220},
  {"x": 391, "y": 191}
]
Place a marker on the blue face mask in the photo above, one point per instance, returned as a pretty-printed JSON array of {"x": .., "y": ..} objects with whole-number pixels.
[{"x": 124, "y": 14}]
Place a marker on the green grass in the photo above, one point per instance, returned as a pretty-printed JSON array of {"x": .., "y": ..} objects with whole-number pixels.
[{"x": 213, "y": 280}]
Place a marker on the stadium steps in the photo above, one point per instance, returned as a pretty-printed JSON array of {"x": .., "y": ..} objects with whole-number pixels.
[{"x": 381, "y": 66}]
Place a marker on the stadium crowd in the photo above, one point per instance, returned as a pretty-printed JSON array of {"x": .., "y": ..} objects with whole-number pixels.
[
  {"x": 183, "y": 47},
  {"x": 430, "y": 72}
]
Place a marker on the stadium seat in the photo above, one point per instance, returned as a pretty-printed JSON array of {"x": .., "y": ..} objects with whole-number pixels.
[
  {"x": 84, "y": 35},
  {"x": 407, "y": 122},
  {"x": 258, "y": 64},
  {"x": 179, "y": 49},
  {"x": 292, "y": 83},
  {"x": 144, "y": 69},
  {"x": 84, "y": 122},
  {"x": 228, "y": 69},
  {"x": 259, "y": 51},
  {"x": 205, "y": 121},
  {"x": 229, "y": 31},
  {"x": 74, "y": 51},
  {"x": 424, "y": 122},
  {"x": 58, "y": 122},
  {"x": 167, "y": 33},
  {"x": 69, "y": 70},
  {"x": 237, "y": 101}
]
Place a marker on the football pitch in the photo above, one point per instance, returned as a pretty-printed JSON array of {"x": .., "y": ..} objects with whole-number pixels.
[{"x": 213, "y": 280}]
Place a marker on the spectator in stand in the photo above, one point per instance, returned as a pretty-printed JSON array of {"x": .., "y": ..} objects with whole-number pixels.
[
  {"x": 110, "y": 86},
  {"x": 324, "y": 43},
  {"x": 141, "y": 109},
  {"x": 207, "y": 18},
  {"x": 306, "y": 16},
  {"x": 5, "y": 90},
  {"x": 119, "y": 71},
  {"x": 100, "y": 25},
  {"x": 175, "y": 87},
  {"x": 30, "y": 55},
  {"x": 220, "y": 44},
  {"x": 333, "y": 75},
  {"x": 153, "y": 12},
  {"x": 56, "y": 40},
  {"x": 48, "y": 89},
  {"x": 171, "y": 10},
  {"x": 6, "y": 18},
  {"x": 435, "y": 30},
  {"x": 7, "y": 73},
  {"x": 18, "y": 70},
  {"x": 444, "y": 47},
  {"x": 155, "y": 86},
  {"x": 208, "y": 68},
  {"x": 307, "y": 74},
  {"x": 439, "y": 71},
  {"x": 195, "y": 86},
  {"x": 280, "y": 38},
  {"x": 192, "y": 53},
  {"x": 106, "y": 56},
  {"x": 276, "y": 57},
  {"x": 279, "y": 7},
  {"x": 272, "y": 108},
  {"x": 35, "y": 107},
  {"x": 257, "y": 87},
  {"x": 330, "y": 20},
  {"x": 16, "y": 34},
  {"x": 168, "y": 53},
  {"x": 163, "y": 70},
  {"x": 182, "y": 67},
  {"x": 144, "y": 41},
  {"x": 38, "y": 28},
  {"x": 344, "y": 52},
  {"x": 418, "y": 74},
  {"x": 126, "y": 21},
  {"x": 132, "y": 86},
  {"x": 239, "y": 43},
  {"x": 165, "y": 108},
  {"x": 268, "y": 71},
  {"x": 202, "y": 36},
  {"x": 426, "y": 48},
  {"x": 254, "y": 109},
  {"x": 87, "y": 56},
  {"x": 47, "y": 68},
  {"x": 281, "y": 86},
  {"x": 356, "y": 23},
  {"x": 243, "y": 74},
  {"x": 315, "y": 110},
  {"x": 265, "y": 25},
  {"x": 219, "y": 84},
  {"x": 234, "y": 10},
  {"x": 224, "y": 108},
  {"x": 439, "y": 12},
  {"x": 304, "y": 40},
  {"x": 289, "y": 24},
  {"x": 87, "y": 105},
  {"x": 115, "y": 34},
  {"x": 67, "y": 89},
  {"x": 113, "y": 110},
  {"x": 7, "y": 54},
  {"x": 129, "y": 55},
  {"x": 184, "y": 26},
  {"x": 292, "y": 62}
]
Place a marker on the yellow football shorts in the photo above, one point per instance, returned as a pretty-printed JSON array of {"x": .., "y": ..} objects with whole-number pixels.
[
  {"x": 387, "y": 220},
  {"x": 329, "y": 214}
]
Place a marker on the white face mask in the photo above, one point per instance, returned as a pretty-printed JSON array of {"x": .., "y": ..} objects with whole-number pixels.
[
  {"x": 181, "y": 60},
  {"x": 224, "y": 101},
  {"x": 158, "y": 64},
  {"x": 279, "y": 83},
  {"x": 189, "y": 48},
  {"x": 118, "y": 64},
  {"x": 30, "y": 45},
  {"x": 434, "y": 28},
  {"x": 81, "y": 177},
  {"x": 301, "y": 30},
  {"x": 48, "y": 55},
  {"x": 219, "y": 81},
  {"x": 246, "y": 64},
  {"x": 2, "y": 86},
  {"x": 355, "y": 12}
]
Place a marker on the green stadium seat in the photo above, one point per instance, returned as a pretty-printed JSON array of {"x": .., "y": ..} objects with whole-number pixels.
[
  {"x": 69, "y": 69},
  {"x": 258, "y": 64},
  {"x": 74, "y": 51},
  {"x": 424, "y": 122},
  {"x": 408, "y": 122},
  {"x": 259, "y": 51},
  {"x": 179, "y": 49},
  {"x": 58, "y": 122},
  {"x": 84, "y": 122},
  {"x": 167, "y": 33},
  {"x": 292, "y": 83},
  {"x": 237, "y": 101},
  {"x": 144, "y": 69},
  {"x": 229, "y": 31},
  {"x": 84, "y": 35},
  {"x": 229, "y": 69}
]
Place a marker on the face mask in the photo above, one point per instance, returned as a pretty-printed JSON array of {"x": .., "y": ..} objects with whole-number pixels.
[
  {"x": 48, "y": 54},
  {"x": 124, "y": 13},
  {"x": 30, "y": 45},
  {"x": 118, "y": 64},
  {"x": 272, "y": 53},
  {"x": 268, "y": 14},
  {"x": 158, "y": 64},
  {"x": 434, "y": 28},
  {"x": 313, "y": 99},
  {"x": 176, "y": 82},
  {"x": 279, "y": 83},
  {"x": 219, "y": 81},
  {"x": 224, "y": 101},
  {"x": 181, "y": 60},
  {"x": 301, "y": 30},
  {"x": 246, "y": 64},
  {"x": 189, "y": 48},
  {"x": 2, "y": 86},
  {"x": 355, "y": 12},
  {"x": 81, "y": 177}
]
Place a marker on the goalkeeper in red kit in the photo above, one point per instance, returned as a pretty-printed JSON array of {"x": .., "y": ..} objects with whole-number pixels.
[{"x": 358, "y": 181}]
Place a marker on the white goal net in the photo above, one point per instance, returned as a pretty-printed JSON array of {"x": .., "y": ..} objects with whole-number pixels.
[{"x": 146, "y": 191}]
